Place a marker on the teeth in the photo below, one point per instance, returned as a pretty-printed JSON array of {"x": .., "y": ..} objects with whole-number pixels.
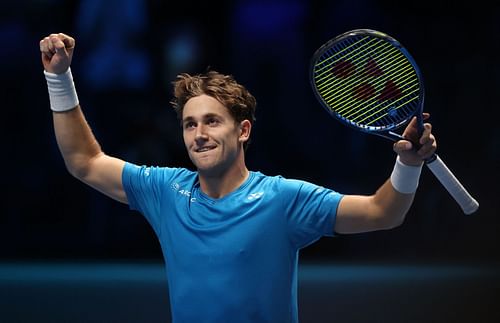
[{"x": 203, "y": 149}]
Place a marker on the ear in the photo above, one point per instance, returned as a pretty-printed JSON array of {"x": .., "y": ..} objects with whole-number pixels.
[{"x": 245, "y": 129}]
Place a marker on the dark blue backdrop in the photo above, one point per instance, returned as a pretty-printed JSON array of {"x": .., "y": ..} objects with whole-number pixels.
[{"x": 128, "y": 52}]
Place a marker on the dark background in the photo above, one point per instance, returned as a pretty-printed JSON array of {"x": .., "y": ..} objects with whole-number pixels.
[{"x": 128, "y": 52}]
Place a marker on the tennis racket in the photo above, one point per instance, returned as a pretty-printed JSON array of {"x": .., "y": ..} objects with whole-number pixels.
[{"x": 368, "y": 81}]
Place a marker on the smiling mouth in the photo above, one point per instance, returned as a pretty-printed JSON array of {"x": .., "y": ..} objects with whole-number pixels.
[{"x": 204, "y": 149}]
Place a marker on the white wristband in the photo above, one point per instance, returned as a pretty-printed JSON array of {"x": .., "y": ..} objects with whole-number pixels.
[
  {"x": 404, "y": 178},
  {"x": 62, "y": 93}
]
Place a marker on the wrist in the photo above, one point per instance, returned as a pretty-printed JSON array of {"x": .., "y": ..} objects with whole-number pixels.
[
  {"x": 62, "y": 92},
  {"x": 415, "y": 162},
  {"x": 404, "y": 178}
]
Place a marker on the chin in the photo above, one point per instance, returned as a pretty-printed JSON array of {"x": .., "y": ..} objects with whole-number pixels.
[
  {"x": 211, "y": 169},
  {"x": 203, "y": 166}
]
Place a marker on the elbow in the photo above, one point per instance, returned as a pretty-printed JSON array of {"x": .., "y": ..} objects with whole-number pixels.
[
  {"x": 390, "y": 215},
  {"x": 79, "y": 167},
  {"x": 78, "y": 172},
  {"x": 394, "y": 223},
  {"x": 388, "y": 221}
]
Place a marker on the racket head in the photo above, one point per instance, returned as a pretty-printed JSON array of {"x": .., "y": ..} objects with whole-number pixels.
[{"x": 367, "y": 80}]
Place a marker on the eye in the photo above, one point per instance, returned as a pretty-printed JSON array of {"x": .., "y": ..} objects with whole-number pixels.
[
  {"x": 213, "y": 122},
  {"x": 189, "y": 125}
]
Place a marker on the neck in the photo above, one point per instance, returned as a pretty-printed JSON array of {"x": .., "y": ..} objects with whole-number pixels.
[{"x": 219, "y": 184}]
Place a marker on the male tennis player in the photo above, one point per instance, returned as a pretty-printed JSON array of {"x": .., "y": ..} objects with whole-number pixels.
[{"x": 230, "y": 236}]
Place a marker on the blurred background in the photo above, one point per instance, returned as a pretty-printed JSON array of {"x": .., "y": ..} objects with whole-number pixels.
[{"x": 127, "y": 54}]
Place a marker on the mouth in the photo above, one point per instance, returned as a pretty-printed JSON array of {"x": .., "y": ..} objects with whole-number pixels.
[{"x": 204, "y": 149}]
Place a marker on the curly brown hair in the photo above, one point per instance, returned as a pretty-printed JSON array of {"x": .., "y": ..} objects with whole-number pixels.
[{"x": 234, "y": 96}]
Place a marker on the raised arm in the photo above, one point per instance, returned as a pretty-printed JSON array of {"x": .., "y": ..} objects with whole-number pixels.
[
  {"x": 82, "y": 153},
  {"x": 387, "y": 208}
]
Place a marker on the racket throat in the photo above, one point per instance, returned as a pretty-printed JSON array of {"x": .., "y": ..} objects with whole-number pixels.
[{"x": 395, "y": 136}]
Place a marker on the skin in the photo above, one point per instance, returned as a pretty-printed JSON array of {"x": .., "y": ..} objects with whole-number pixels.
[{"x": 214, "y": 142}]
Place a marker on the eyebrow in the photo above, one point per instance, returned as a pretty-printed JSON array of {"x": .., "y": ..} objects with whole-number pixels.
[
  {"x": 186, "y": 119},
  {"x": 204, "y": 117}
]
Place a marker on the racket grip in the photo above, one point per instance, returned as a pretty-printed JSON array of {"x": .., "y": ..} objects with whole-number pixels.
[{"x": 468, "y": 204}]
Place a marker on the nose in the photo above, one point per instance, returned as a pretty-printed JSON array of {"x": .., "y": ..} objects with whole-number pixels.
[{"x": 200, "y": 135}]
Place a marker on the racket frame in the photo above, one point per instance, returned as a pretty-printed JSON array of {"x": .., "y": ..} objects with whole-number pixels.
[
  {"x": 468, "y": 204},
  {"x": 387, "y": 132}
]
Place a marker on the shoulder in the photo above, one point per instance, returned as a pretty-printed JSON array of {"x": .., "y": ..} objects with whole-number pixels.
[
  {"x": 295, "y": 187},
  {"x": 281, "y": 183},
  {"x": 158, "y": 173}
]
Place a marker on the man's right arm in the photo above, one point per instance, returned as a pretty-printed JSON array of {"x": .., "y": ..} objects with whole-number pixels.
[
  {"x": 83, "y": 156},
  {"x": 81, "y": 152}
]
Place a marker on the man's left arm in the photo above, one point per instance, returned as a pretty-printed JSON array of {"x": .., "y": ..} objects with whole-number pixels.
[{"x": 387, "y": 208}]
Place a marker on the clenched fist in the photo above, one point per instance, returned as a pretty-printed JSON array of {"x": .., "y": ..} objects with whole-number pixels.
[{"x": 57, "y": 52}]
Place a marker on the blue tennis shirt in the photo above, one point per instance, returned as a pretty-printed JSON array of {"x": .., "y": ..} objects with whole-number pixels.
[{"x": 232, "y": 259}]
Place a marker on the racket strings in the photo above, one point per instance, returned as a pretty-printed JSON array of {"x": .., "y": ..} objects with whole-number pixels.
[
  {"x": 366, "y": 72},
  {"x": 354, "y": 58},
  {"x": 410, "y": 97},
  {"x": 344, "y": 89},
  {"x": 356, "y": 106},
  {"x": 351, "y": 106},
  {"x": 384, "y": 92},
  {"x": 378, "y": 56},
  {"x": 332, "y": 55},
  {"x": 359, "y": 51}
]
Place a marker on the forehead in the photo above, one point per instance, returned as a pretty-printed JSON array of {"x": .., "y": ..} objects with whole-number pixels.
[{"x": 203, "y": 105}]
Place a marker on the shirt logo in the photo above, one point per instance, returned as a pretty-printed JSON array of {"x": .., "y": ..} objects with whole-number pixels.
[
  {"x": 177, "y": 188},
  {"x": 255, "y": 196}
]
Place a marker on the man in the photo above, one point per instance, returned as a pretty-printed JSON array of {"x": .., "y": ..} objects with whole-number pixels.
[{"x": 230, "y": 237}]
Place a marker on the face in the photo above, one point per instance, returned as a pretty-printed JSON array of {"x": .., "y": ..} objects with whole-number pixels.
[{"x": 212, "y": 137}]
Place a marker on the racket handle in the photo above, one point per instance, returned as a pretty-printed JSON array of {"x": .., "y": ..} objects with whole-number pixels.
[{"x": 468, "y": 204}]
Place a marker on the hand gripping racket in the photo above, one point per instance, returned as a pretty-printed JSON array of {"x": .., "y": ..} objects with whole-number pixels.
[{"x": 367, "y": 80}]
